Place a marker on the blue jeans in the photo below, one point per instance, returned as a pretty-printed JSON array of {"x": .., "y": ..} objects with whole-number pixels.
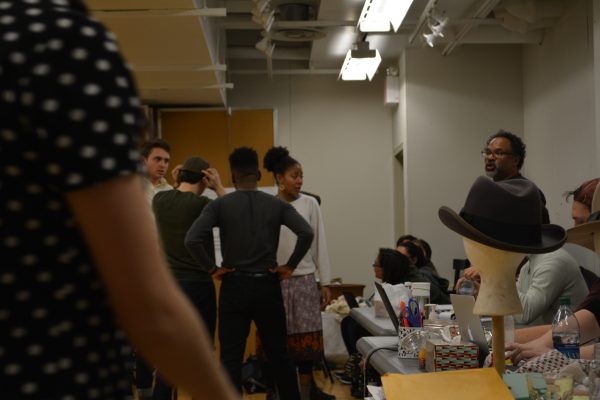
[
  {"x": 244, "y": 299},
  {"x": 203, "y": 297}
]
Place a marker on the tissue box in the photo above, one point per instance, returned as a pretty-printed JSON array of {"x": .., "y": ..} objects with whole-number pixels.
[
  {"x": 442, "y": 356},
  {"x": 403, "y": 352}
]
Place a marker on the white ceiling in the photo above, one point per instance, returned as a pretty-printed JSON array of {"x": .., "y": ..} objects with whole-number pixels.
[{"x": 179, "y": 54}]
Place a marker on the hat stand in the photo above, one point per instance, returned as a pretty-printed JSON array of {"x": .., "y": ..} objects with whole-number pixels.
[
  {"x": 498, "y": 292},
  {"x": 596, "y": 238}
]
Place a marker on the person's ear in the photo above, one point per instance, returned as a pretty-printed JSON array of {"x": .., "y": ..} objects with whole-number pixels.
[
  {"x": 233, "y": 180},
  {"x": 258, "y": 175}
]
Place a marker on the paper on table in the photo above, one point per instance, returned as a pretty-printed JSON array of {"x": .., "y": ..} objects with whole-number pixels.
[
  {"x": 376, "y": 392},
  {"x": 471, "y": 384}
]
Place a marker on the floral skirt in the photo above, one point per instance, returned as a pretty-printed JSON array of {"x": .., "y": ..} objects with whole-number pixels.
[{"x": 302, "y": 302}]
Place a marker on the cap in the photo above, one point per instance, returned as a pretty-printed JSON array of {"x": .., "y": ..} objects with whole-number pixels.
[
  {"x": 564, "y": 301},
  {"x": 195, "y": 164}
]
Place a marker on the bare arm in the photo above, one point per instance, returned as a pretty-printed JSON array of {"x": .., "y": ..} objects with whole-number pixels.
[
  {"x": 213, "y": 181},
  {"x": 588, "y": 327},
  {"x": 525, "y": 335},
  {"x": 156, "y": 316}
]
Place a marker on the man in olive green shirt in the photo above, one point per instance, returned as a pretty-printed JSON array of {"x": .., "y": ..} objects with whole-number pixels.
[{"x": 175, "y": 211}]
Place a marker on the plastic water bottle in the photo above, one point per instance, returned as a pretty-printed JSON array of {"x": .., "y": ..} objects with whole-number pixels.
[
  {"x": 467, "y": 287},
  {"x": 565, "y": 330}
]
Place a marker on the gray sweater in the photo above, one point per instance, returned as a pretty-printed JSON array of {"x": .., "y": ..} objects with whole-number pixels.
[{"x": 249, "y": 222}]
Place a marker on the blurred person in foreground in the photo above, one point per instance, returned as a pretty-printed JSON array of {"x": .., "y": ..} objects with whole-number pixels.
[{"x": 80, "y": 252}]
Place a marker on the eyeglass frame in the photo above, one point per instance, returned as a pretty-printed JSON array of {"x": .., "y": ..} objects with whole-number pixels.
[{"x": 485, "y": 153}]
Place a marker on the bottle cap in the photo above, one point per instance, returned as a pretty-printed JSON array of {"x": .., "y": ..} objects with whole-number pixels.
[
  {"x": 564, "y": 301},
  {"x": 421, "y": 288}
]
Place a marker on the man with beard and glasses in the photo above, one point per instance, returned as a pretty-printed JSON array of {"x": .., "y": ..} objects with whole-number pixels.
[{"x": 504, "y": 156}]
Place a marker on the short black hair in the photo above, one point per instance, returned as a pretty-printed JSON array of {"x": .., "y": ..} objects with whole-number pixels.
[
  {"x": 405, "y": 238},
  {"x": 517, "y": 146},
  {"x": 190, "y": 176},
  {"x": 152, "y": 144},
  {"x": 244, "y": 160},
  {"x": 415, "y": 252},
  {"x": 394, "y": 264},
  {"x": 425, "y": 247}
]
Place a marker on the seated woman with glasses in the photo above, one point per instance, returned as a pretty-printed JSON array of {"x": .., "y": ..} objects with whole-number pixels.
[{"x": 390, "y": 266}]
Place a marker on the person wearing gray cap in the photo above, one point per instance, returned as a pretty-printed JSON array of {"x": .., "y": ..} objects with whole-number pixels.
[{"x": 175, "y": 211}]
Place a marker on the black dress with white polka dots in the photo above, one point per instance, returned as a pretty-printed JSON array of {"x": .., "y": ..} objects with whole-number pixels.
[{"x": 69, "y": 119}]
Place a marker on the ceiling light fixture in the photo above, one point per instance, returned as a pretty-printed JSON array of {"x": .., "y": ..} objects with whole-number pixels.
[
  {"x": 436, "y": 25},
  {"x": 360, "y": 64},
  {"x": 378, "y": 15},
  {"x": 263, "y": 14},
  {"x": 265, "y": 46}
]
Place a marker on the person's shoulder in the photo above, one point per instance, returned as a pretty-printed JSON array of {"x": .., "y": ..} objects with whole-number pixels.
[
  {"x": 164, "y": 195},
  {"x": 309, "y": 201},
  {"x": 203, "y": 199}
]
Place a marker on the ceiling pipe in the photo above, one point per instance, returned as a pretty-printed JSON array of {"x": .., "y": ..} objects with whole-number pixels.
[
  {"x": 282, "y": 53},
  {"x": 246, "y": 23},
  {"x": 190, "y": 86},
  {"x": 178, "y": 68},
  {"x": 481, "y": 12},
  {"x": 203, "y": 12},
  {"x": 286, "y": 72}
]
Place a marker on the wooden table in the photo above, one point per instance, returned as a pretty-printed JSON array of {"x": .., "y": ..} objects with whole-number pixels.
[{"x": 355, "y": 289}]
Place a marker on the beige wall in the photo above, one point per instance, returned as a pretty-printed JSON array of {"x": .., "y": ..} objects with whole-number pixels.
[
  {"x": 560, "y": 115},
  {"x": 452, "y": 104},
  {"x": 559, "y": 110},
  {"x": 341, "y": 133},
  {"x": 346, "y": 139}
]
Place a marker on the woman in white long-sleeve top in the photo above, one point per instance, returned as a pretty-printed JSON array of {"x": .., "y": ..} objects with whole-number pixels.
[{"x": 302, "y": 294}]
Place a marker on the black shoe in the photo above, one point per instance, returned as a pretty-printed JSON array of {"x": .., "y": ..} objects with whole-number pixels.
[
  {"x": 272, "y": 395},
  {"x": 343, "y": 377},
  {"x": 318, "y": 394}
]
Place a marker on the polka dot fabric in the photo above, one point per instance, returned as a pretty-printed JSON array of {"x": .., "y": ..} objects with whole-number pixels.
[{"x": 69, "y": 119}]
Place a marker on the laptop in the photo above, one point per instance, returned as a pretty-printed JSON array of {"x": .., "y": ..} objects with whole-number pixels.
[
  {"x": 388, "y": 305},
  {"x": 350, "y": 299},
  {"x": 469, "y": 324}
]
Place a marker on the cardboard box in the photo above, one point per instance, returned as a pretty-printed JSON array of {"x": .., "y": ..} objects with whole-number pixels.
[
  {"x": 473, "y": 384},
  {"x": 442, "y": 356}
]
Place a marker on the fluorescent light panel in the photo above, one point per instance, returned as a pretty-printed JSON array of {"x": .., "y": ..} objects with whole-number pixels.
[
  {"x": 359, "y": 68},
  {"x": 378, "y": 15}
]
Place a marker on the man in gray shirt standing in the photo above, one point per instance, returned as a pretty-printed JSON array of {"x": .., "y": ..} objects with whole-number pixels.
[{"x": 249, "y": 222}]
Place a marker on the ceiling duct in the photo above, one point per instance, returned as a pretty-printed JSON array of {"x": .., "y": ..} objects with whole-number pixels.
[
  {"x": 524, "y": 16},
  {"x": 297, "y": 11},
  {"x": 294, "y": 12}
]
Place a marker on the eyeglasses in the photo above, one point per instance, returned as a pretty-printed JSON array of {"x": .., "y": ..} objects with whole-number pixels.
[{"x": 485, "y": 153}]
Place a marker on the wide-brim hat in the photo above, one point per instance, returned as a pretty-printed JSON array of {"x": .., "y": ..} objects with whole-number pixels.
[
  {"x": 505, "y": 215},
  {"x": 583, "y": 235}
]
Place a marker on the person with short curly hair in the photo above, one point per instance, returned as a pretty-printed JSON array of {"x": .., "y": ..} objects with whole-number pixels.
[
  {"x": 249, "y": 221},
  {"x": 504, "y": 156},
  {"x": 302, "y": 293}
]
